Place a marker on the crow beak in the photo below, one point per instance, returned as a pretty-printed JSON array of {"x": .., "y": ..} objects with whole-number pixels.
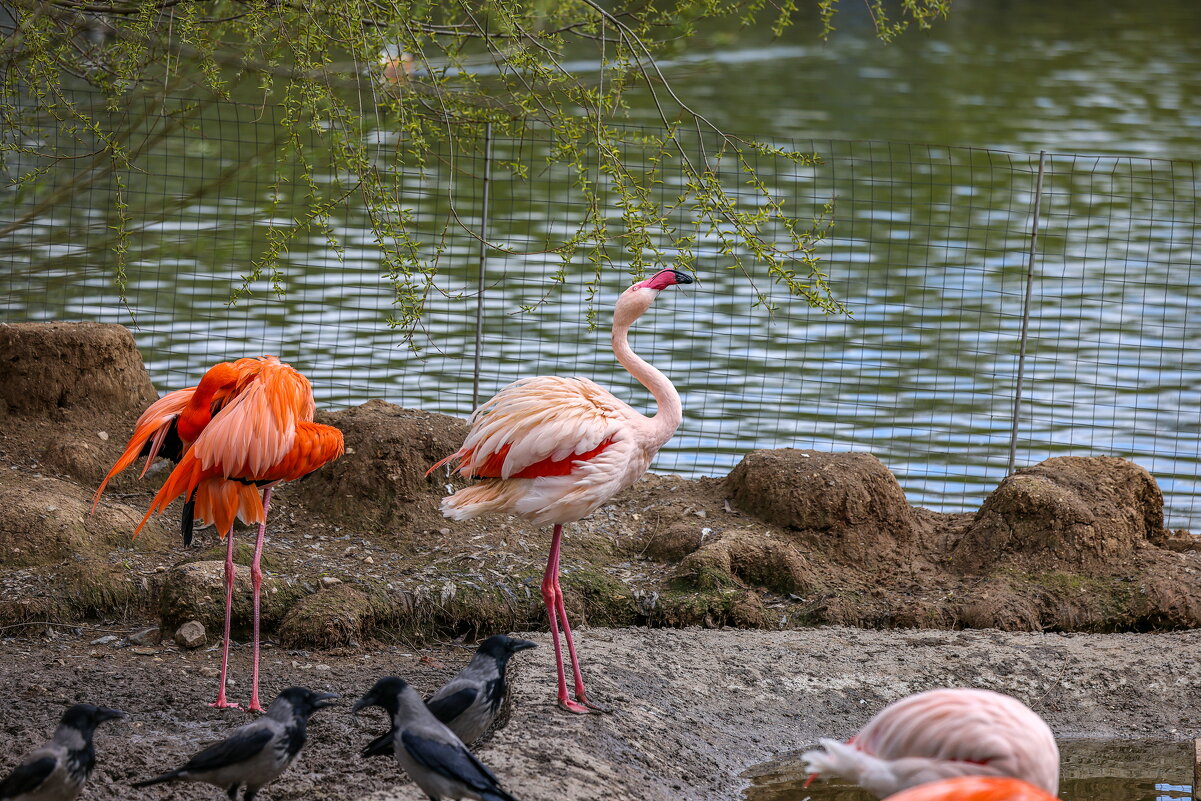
[
  {"x": 682, "y": 278},
  {"x": 104, "y": 713},
  {"x": 522, "y": 645},
  {"x": 322, "y": 700},
  {"x": 363, "y": 703}
]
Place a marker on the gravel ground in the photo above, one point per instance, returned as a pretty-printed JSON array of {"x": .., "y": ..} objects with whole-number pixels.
[{"x": 693, "y": 708}]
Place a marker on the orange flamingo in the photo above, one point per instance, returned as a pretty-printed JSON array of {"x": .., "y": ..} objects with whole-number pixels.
[
  {"x": 552, "y": 450},
  {"x": 172, "y": 423},
  {"x": 940, "y": 734},
  {"x": 974, "y": 788},
  {"x": 262, "y": 435}
]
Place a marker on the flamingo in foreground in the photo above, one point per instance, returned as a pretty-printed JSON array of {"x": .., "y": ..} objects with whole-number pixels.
[
  {"x": 974, "y": 788},
  {"x": 172, "y": 423},
  {"x": 940, "y": 734},
  {"x": 262, "y": 435},
  {"x": 551, "y": 450}
]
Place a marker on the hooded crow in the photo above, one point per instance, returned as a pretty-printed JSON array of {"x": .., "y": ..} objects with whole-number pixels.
[
  {"x": 429, "y": 752},
  {"x": 469, "y": 703},
  {"x": 257, "y": 753},
  {"x": 57, "y": 771}
]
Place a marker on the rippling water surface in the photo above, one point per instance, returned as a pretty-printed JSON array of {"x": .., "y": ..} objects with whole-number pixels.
[{"x": 928, "y": 250}]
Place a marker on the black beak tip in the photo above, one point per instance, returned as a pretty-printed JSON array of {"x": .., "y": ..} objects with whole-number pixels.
[
  {"x": 524, "y": 645},
  {"x": 683, "y": 278}
]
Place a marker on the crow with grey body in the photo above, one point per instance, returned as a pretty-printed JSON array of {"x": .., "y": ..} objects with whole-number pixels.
[
  {"x": 257, "y": 753},
  {"x": 429, "y": 752},
  {"x": 469, "y": 703},
  {"x": 58, "y": 770}
]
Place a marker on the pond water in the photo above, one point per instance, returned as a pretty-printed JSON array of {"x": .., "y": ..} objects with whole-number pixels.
[
  {"x": 1091, "y": 770},
  {"x": 928, "y": 249}
]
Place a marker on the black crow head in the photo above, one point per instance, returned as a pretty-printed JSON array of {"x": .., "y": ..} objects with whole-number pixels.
[
  {"x": 385, "y": 694},
  {"x": 304, "y": 701},
  {"x": 501, "y": 647},
  {"x": 86, "y": 717}
]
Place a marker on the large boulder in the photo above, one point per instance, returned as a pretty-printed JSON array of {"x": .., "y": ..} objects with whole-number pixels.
[
  {"x": 1069, "y": 512},
  {"x": 50, "y": 367},
  {"x": 335, "y": 617},
  {"x": 196, "y": 591},
  {"x": 849, "y": 504},
  {"x": 381, "y": 480}
]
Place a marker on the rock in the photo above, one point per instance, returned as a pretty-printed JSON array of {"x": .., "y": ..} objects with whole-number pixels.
[
  {"x": 847, "y": 503},
  {"x": 150, "y": 636},
  {"x": 196, "y": 591},
  {"x": 142, "y": 650},
  {"x": 330, "y": 581},
  {"x": 381, "y": 479},
  {"x": 1068, "y": 512},
  {"x": 191, "y": 634},
  {"x": 105, "y": 640},
  {"x": 48, "y": 367},
  {"x": 209, "y": 672},
  {"x": 332, "y": 618}
]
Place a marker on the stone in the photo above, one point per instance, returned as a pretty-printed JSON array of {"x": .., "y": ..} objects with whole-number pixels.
[
  {"x": 150, "y": 636},
  {"x": 191, "y": 634}
]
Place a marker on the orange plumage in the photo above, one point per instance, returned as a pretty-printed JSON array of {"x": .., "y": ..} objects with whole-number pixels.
[
  {"x": 248, "y": 425},
  {"x": 262, "y": 435},
  {"x": 974, "y": 788}
]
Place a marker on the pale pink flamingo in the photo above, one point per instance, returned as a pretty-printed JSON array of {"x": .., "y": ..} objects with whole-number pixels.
[
  {"x": 940, "y": 734},
  {"x": 974, "y": 788},
  {"x": 552, "y": 450}
]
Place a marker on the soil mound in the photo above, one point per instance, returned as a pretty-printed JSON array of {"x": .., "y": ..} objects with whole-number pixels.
[
  {"x": 1067, "y": 512},
  {"x": 847, "y": 503},
  {"x": 380, "y": 481},
  {"x": 49, "y": 367}
]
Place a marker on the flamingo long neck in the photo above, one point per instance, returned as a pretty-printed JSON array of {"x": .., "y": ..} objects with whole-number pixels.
[{"x": 670, "y": 412}]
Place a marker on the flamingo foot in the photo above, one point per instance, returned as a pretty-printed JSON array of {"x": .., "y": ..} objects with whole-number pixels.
[
  {"x": 221, "y": 703},
  {"x": 598, "y": 708},
  {"x": 254, "y": 706},
  {"x": 567, "y": 705}
]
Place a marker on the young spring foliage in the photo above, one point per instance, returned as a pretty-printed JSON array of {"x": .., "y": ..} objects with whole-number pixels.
[{"x": 101, "y": 82}]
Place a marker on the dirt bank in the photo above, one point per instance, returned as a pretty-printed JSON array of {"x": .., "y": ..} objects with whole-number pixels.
[
  {"x": 692, "y": 708},
  {"x": 359, "y": 553}
]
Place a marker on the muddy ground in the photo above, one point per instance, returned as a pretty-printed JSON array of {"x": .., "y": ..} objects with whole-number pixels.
[
  {"x": 361, "y": 569},
  {"x": 693, "y": 708}
]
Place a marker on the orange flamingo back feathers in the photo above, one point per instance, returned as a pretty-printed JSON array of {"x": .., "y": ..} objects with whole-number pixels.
[{"x": 263, "y": 435}]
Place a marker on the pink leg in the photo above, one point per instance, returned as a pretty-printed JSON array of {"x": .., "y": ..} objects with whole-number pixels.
[
  {"x": 578, "y": 675},
  {"x": 256, "y": 577},
  {"x": 221, "y": 702},
  {"x": 552, "y": 595}
]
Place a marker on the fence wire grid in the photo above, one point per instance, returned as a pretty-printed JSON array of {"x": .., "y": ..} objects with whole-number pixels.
[{"x": 929, "y": 249}]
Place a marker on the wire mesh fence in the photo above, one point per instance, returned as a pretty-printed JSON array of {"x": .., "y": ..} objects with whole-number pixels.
[{"x": 929, "y": 250}]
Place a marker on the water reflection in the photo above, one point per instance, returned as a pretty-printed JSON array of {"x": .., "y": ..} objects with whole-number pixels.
[
  {"x": 1090, "y": 770},
  {"x": 928, "y": 250}
]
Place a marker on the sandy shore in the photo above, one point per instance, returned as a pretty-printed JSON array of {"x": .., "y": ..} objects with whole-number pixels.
[{"x": 692, "y": 708}]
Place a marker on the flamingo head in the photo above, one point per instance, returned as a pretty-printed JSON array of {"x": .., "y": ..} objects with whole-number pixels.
[{"x": 663, "y": 279}]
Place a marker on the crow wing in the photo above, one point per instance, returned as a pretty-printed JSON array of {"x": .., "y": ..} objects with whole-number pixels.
[
  {"x": 238, "y": 747},
  {"x": 452, "y": 761},
  {"x": 27, "y": 777},
  {"x": 451, "y": 706}
]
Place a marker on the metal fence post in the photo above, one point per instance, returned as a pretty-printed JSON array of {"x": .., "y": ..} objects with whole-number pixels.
[
  {"x": 1017, "y": 394},
  {"x": 479, "y": 283}
]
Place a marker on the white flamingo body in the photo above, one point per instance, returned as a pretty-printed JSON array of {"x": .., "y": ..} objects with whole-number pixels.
[
  {"x": 552, "y": 450},
  {"x": 942, "y": 734},
  {"x": 551, "y": 419}
]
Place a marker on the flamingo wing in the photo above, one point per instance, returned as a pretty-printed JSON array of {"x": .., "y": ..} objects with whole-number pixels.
[
  {"x": 539, "y": 427},
  {"x": 149, "y": 432},
  {"x": 256, "y": 428}
]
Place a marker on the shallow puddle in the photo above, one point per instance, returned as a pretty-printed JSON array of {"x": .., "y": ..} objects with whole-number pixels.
[{"x": 1090, "y": 770}]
